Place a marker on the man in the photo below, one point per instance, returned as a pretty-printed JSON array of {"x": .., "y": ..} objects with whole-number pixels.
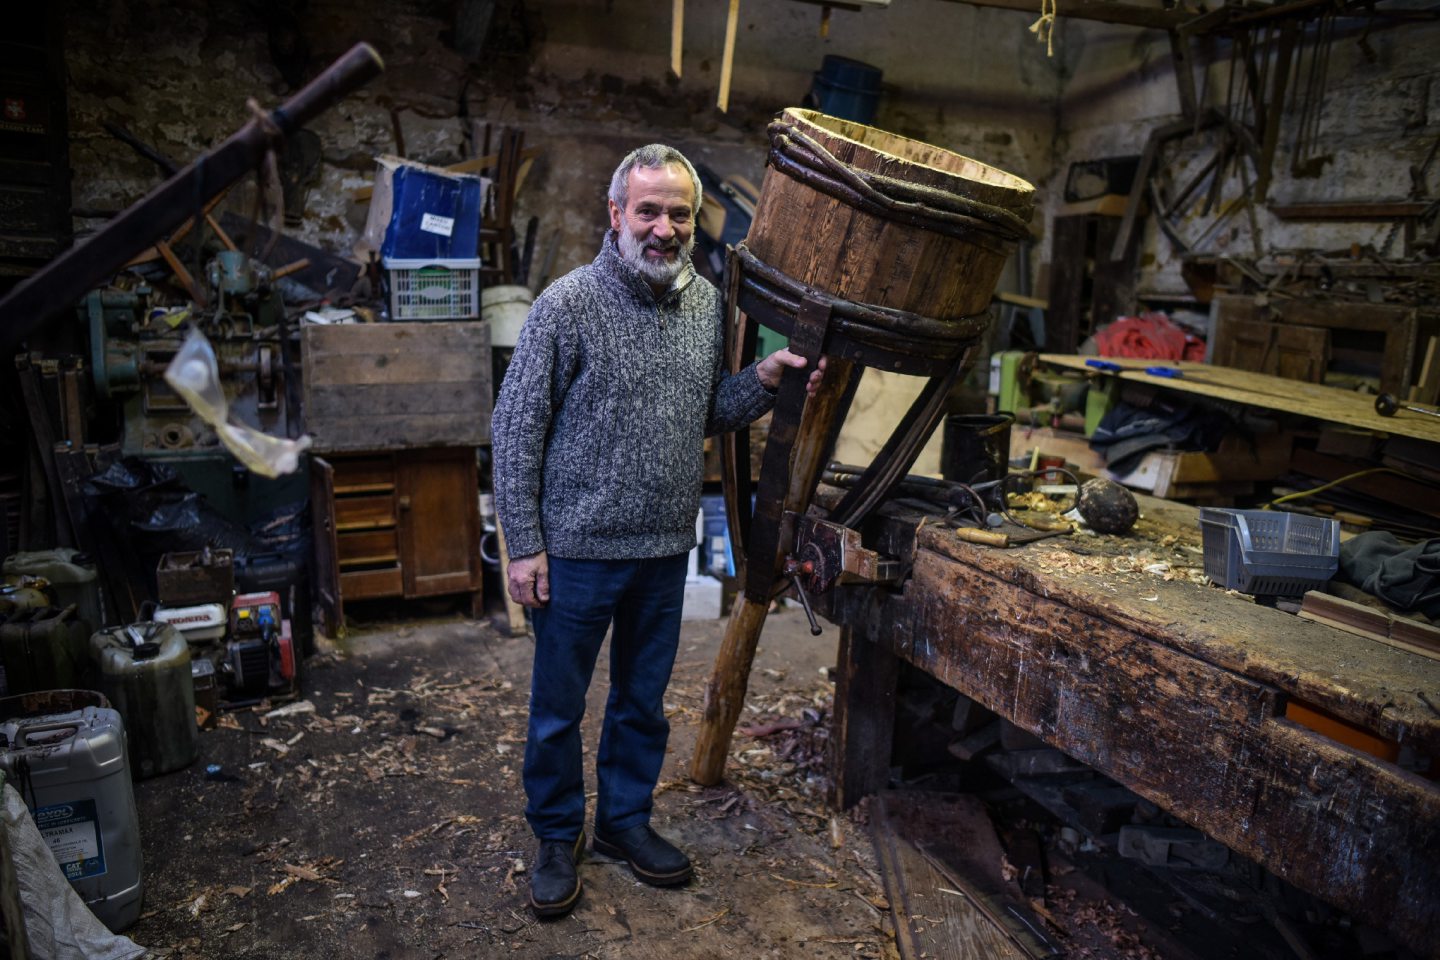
[{"x": 598, "y": 441}]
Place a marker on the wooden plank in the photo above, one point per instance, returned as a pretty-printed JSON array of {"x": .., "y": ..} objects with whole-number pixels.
[
  {"x": 1406, "y": 493},
  {"x": 864, "y": 719},
  {"x": 1374, "y": 624},
  {"x": 1353, "y": 830},
  {"x": 397, "y": 364},
  {"x": 352, "y": 513},
  {"x": 361, "y": 400},
  {"x": 327, "y": 598},
  {"x": 929, "y": 922},
  {"x": 1427, "y": 385},
  {"x": 397, "y": 386},
  {"x": 1351, "y": 211},
  {"x": 1102, "y": 11},
  {"x": 366, "y": 584},
  {"x": 403, "y": 432},
  {"x": 1272, "y": 393}
]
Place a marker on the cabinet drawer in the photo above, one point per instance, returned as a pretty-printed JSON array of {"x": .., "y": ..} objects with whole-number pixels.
[
  {"x": 359, "y": 584},
  {"x": 358, "y": 513},
  {"x": 364, "y": 474},
  {"x": 371, "y": 547}
]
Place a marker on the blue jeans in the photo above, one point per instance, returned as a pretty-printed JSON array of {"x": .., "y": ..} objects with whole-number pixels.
[{"x": 642, "y": 599}]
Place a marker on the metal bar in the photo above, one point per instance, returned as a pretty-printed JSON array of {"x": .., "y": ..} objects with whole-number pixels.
[{"x": 57, "y": 286}]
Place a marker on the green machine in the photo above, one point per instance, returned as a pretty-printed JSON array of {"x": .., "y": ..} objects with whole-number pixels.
[{"x": 132, "y": 340}]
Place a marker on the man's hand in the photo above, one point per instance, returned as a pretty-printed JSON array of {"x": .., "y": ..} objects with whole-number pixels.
[
  {"x": 529, "y": 580},
  {"x": 772, "y": 367}
]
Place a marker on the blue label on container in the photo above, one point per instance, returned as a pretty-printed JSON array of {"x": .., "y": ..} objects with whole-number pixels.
[{"x": 72, "y": 832}]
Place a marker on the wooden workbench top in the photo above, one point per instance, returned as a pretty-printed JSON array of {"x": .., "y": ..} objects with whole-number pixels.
[
  {"x": 1271, "y": 393},
  {"x": 1152, "y": 583},
  {"x": 1115, "y": 651}
]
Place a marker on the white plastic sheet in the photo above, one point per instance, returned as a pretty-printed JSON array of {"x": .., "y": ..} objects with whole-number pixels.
[
  {"x": 195, "y": 375},
  {"x": 57, "y": 923}
]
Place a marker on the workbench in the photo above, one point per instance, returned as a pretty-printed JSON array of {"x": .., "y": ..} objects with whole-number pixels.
[{"x": 1115, "y": 651}]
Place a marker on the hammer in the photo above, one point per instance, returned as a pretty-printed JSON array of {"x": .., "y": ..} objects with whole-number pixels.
[{"x": 1388, "y": 404}]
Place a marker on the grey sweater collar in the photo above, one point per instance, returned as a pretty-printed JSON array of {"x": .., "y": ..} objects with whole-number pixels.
[{"x": 609, "y": 262}]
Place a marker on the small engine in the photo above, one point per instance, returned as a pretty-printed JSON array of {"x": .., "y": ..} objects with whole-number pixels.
[{"x": 259, "y": 654}]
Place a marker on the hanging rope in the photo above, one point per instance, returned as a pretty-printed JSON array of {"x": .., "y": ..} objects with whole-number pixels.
[{"x": 1044, "y": 28}]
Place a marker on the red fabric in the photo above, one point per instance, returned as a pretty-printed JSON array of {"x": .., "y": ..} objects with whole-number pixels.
[{"x": 1150, "y": 336}]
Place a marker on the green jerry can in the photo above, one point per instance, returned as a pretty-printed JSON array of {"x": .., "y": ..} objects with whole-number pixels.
[
  {"x": 145, "y": 673},
  {"x": 42, "y": 648},
  {"x": 71, "y": 575}
]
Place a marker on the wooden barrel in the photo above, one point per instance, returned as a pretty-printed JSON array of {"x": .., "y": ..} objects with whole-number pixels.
[{"x": 876, "y": 218}]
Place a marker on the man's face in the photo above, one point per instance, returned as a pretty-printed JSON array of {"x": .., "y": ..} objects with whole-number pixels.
[{"x": 656, "y": 230}]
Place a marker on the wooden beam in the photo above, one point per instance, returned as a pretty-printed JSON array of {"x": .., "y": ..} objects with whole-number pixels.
[
  {"x": 1353, "y": 211},
  {"x": 1101, "y": 11}
]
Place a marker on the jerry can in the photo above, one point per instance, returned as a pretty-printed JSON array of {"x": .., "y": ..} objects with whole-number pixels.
[
  {"x": 64, "y": 751},
  {"x": 145, "y": 673},
  {"x": 43, "y": 649}
]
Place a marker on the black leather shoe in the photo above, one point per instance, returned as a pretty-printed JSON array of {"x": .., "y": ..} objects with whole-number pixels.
[
  {"x": 554, "y": 883},
  {"x": 652, "y": 858}
]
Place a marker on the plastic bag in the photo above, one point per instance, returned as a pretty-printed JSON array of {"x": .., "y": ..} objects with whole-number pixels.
[{"x": 194, "y": 374}]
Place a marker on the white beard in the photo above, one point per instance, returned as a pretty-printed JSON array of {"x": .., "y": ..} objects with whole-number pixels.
[{"x": 659, "y": 272}]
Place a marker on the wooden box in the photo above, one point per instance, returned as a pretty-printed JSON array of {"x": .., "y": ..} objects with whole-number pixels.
[{"x": 397, "y": 386}]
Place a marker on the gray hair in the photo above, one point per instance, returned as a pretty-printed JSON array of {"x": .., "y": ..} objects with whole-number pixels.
[{"x": 652, "y": 156}]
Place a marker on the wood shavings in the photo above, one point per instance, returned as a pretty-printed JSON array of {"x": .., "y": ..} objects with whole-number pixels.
[{"x": 706, "y": 922}]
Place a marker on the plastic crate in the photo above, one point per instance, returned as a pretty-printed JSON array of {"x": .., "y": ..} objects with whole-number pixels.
[
  {"x": 434, "y": 289},
  {"x": 1269, "y": 553}
]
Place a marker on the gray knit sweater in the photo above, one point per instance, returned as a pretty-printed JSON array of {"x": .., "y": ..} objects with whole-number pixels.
[{"x": 599, "y": 430}]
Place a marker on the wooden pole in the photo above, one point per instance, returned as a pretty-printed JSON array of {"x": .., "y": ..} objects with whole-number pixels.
[
  {"x": 727, "y": 60},
  {"x": 677, "y": 35}
]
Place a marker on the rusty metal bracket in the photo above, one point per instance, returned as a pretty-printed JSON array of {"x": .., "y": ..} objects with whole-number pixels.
[{"x": 767, "y": 533}]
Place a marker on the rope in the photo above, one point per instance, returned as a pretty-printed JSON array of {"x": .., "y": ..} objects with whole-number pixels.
[{"x": 1044, "y": 28}]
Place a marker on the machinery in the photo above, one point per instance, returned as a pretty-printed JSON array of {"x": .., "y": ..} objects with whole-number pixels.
[
  {"x": 132, "y": 340},
  {"x": 260, "y": 655}
]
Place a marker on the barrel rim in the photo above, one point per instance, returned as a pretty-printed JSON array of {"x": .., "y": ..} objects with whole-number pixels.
[{"x": 1017, "y": 192}]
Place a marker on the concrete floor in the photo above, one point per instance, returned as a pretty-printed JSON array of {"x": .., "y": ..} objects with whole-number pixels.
[{"x": 388, "y": 822}]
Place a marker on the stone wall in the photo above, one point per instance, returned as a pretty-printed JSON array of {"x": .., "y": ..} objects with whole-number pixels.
[
  {"x": 586, "y": 79},
  {"x": 1378, "y": 116}
]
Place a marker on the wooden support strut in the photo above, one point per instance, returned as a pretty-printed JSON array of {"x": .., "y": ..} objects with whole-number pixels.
[{"x": 793, "y": 455}]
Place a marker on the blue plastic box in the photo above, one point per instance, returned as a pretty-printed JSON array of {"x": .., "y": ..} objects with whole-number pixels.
[{"x": 433, "y": 216}]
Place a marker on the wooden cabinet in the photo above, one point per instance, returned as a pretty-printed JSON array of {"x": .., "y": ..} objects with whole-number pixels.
[{"x": 402, "y": 523}]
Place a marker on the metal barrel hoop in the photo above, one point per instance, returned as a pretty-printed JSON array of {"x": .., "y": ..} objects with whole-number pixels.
[{"x": 906, "y": 341}]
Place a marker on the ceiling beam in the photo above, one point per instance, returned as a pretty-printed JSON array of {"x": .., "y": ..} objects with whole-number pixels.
[{"x": 1102, "y": 11}]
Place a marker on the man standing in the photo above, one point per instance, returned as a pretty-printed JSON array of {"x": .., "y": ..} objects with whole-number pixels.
[{"x": 598, "y": 440}]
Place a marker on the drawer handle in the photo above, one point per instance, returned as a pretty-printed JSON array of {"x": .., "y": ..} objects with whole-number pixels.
[{"x": 404, "y": 503}]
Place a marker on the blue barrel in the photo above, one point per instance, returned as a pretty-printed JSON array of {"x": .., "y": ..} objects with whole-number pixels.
[{"x": 845, "y": 88}]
